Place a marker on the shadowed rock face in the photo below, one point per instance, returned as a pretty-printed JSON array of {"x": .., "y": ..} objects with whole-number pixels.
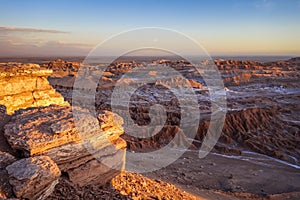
[
  {"x": 6, "y": 159},
  {"x": 33, "y": 178},
  {"x": 89, "y": 150},
  {"x": 26, "y": 85},
  {"x": 259, "y": 130},
  {"x": 5, "y": 188}
]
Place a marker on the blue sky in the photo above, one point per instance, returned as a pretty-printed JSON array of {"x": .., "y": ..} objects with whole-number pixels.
[{"x": 228, "y": 27}]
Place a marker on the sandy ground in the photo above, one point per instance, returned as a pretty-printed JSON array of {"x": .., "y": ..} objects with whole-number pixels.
[{"x": 248, "y": 175}]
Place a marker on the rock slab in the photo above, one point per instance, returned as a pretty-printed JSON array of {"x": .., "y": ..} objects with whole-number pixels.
[
  {"x": 87, "y": 148},
  {"x": 33, "y": 178}
]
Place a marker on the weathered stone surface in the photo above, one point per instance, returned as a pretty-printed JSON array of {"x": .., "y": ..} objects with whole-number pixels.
[
  {"x": 76, "y": 146},
  {"x": 107, "y": 167},
  {"x": 35, "y": 130},
  {"x": 5, "y": 188},
  {"x": 26, "y": 85},
  {"x": 73, "y": 155},
  {"x": 33, "y": 178},
  {"x": 6, "y": 159}
]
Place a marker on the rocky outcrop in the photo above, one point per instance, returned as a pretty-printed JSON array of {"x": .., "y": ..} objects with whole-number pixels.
[
  {"x": 61, "y": 65},
  {"x": 26, "y": 85},
  {"x": 33, "y": 178},
  {"x": 89, "y": 150}
]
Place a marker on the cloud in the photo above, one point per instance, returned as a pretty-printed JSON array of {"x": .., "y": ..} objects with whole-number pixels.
[
  {"x": 30, "y": 30},
  {"x": 14, "y": 42},
  {"x": 10, "y": 48}
]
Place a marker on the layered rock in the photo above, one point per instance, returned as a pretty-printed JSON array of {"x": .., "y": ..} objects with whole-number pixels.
[
  {"x": 90, "y": 153},
  {"x": 26, "y": 85},
  {"x": 35, "y": 130},
  {"x": 78, "y": 147},
  {"x": 33, "y": 178}
]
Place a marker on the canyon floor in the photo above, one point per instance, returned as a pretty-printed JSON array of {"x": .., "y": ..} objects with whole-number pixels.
[{"x": 256, "y": 157}]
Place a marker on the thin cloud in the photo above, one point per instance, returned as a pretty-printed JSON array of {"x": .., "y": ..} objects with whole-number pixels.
[
  {"x": 31, "y": 30},
  {"x": 15, "y": 48}
]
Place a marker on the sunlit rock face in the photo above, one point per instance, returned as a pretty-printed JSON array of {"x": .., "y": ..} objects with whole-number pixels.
[
  {"x": 26, "y": 85},
  {"x": 45, "y": 137},
  {"x": 88, "y": 149}
]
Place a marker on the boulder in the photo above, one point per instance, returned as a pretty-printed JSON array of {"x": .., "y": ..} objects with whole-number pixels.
[{"x": 33, "y": 178}]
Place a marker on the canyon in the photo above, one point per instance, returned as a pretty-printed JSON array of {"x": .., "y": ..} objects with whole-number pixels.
[{"x": 49, "y": 138}]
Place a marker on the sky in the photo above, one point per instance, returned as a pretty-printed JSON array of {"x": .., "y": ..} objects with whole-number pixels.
[{"x": 222, "y": 27}]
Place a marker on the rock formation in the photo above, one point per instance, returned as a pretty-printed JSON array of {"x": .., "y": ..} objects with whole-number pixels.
[
  {"x": 89, "y": 150},
  {"x": 61, "y": 65},
  {"x": 46, "y": 139},
  {"x": 62, "y": 68},
  {"x": 26, "y": 85}
]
